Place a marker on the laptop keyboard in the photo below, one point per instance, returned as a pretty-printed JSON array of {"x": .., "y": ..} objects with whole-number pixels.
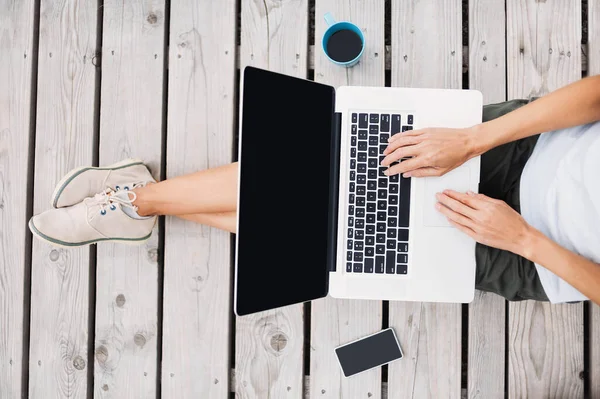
[{"x": 378, "y": 205}]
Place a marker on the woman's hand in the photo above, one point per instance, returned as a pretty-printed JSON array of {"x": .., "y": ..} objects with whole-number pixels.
[
  {"x": 433, "y": 151},
  {"x": 488, "y": 221}
]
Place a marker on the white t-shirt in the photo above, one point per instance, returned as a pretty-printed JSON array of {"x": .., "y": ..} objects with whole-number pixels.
[{"x": 560, "y": 196}]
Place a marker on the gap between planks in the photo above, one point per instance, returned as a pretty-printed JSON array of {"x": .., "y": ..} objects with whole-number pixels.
[{"x": 465, "y": 57}]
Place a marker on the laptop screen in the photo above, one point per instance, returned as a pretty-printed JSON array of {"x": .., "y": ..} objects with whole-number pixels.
[{"x": 284, "y": 191}]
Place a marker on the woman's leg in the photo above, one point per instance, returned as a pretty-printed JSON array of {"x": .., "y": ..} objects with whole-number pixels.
[
  {"x": 208, "y": 191},
  {"x": 224, "y": 221}
]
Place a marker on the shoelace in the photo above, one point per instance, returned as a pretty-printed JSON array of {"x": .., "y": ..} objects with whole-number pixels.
[{"x": 109, "y": 198}]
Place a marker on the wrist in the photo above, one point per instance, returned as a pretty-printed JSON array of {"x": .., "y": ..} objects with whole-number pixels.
[
  {"x": 479, "y": 139},
  {"x": 530, "y": 243}
]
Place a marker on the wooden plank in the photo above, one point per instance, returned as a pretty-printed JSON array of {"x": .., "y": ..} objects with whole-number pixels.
[
  {"x": 487, "y": 73},
  {"x": 130, "y": 126},
  {"x": 16, "y": 47},
  {"x": 268, "y": 345},
  {"x": 335, "y": 321},
  {"x": 426, "y": 55},
  {"x": 65, "y": 130},
  {"x": 545, "y": 341},
  {"x": 594, "y": 329},
  {"x": 197, "y": 306}
]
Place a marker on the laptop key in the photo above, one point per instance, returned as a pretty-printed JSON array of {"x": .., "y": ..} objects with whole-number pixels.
[
  {"x": 390, "y": 244},
  {"x": 352, "y": 187},
  {"x": 382, "y": 183},
  {"x": 362, "y": 145},
  {"x": 360, "y": 190},
  {"x": 385, "y": 123},
  {"x": 374, "y": 118},
  {"x": 354, "y": 129},
  {"x": 380, "y": 227},
  {"x": 370, "y": 217},
  {"x": 402, "y": 258},
  {"x": 350, "y": 221},
  {"x": 402, "y": 234},
  {"x": 381, "y": 216},
  {"x": 390, "y": 262},
  {"x": 373, "y": 140},
  {"x": 358, "y": 267},
  {"x": 360, "y": 213},
  {"x": 358, "y": 246},
  {"x": 369, "y": 251},
  {"x": 403, "y": 217},
  {"x": 352, "y": 164},
  {"x": 352, "y": 175},
  {"x": 370, "y": 207},
  {"x": 374, "y": 129},
  {"x": 372, "y": 186},
  {"x": 362, "y": 157},
  {"x": 392, "y": 222},
  {"x": 391, "y": 233},
  {"x": 349, "y": 245},
  {"x": 348, "y": 267},
  {"x": 351, "y": 210},
  {"x": 402, "y": 247},
  {"x": 380, "y": 238},
  {"x": 401, "y": 269},
  {"x": 410, "y": 119},
  {"x": 372, "y": 174},
  {"x": 363, "y": 134},
  {"x": 370, "y": 230},
  {"x": 363, "y": 121},
  {"x": 395, "y": 124},
  {"x": 369, "y": 262},
  {"x": 394, "y": 178},
  {"x": 382, "y": 194},
  {"x": 393, "y": 200},
  {"x": 384, "y": 137},
  {"x": 360, "y": 224},
  {"x": 372, "y": 163},
  {"x": 353, "y": 141},
  {"x": 351, "y": 233},
  {"x": 382, "y": 148},
  {"x": 381, "y": 205},
  {"x": 393, "y": 211},
  {"x": 354, "y": 117},
  {"x": 370, "y": 239},
  {"x": 393, "y": 188},
  {"x": 361, "y": 167},
  {"x": 352, "y": 152},
  {"x": 358, "y": 257},
  {"x": 373, "y": 151},
  {"x": 359, "y": 235},
  {"x": 349, "y": 256},
  {"x": 379, "y": 264},
  {"x": 380, "y": 249}
]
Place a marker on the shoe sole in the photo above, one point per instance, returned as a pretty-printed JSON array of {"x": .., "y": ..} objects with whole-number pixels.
[
  {"x": 77, "y": 171},
  {"x": 64, "y": 244}
]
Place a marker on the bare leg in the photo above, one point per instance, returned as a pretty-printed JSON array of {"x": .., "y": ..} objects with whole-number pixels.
[
  {"x": 223, "y": 221},
  {"x": 208, "y": 191}
]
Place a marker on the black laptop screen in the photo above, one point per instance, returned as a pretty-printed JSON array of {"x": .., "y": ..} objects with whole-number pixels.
[{"x": 284, "y": 191}]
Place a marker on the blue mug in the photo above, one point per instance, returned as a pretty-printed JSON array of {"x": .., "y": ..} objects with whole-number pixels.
[{"x": 336, "y": 27}]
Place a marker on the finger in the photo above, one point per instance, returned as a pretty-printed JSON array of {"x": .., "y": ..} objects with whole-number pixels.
[
  {"x": 472, "y": 200},
  {"x": 401, "y": 140},
  {"x": 455, "y": 216},
  {"x": 456, "y": 205},
  {"x": 425, "y": 172},
  {"x": 406, "y": 166},
  {"x": 483, "y": 197},
  {"x": 408, "y": 133},
  {"x": 402, "y": 152},
  {"x": 468, "y": 231}
]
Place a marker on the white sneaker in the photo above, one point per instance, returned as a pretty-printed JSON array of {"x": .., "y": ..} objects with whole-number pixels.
[
  {"x": 86, "y": 181},
  {"x": 108, "y": 216}
]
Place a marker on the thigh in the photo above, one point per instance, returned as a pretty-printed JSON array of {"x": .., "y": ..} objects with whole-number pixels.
[
  {"x": 501, "y": 167},
  {"x": 507, "y": 274}
]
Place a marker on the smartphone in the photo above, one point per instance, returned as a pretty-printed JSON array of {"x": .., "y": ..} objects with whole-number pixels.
[{"x": 369, "y": 352}]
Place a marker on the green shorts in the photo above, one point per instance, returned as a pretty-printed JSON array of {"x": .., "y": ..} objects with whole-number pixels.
[{"x": 502, "y": 272}]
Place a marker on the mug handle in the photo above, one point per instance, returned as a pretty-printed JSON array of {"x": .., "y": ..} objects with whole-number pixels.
[{"x": 329, "y": 19}]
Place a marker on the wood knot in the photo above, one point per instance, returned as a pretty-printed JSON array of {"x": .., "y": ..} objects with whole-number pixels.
[
  {"x": 79, "y": 363},
  {"x": 289, "y": 389},
  {"x": 521, "y": 50},
  {"x": 322, "y": 391},
  {"x": 216, "y": 381},
  {"x": 483, "y": 42},
  {"x": 105, "y": 387},
  {"x": 101, "y": 354},
  {"x": 582, "y": 375},
  {"x": 39, "y": 362},
  {"x": 153, "y": 255},
  {"x": 54, "y": 255},
  {"x": 405, "y": 57},
  {"x": 120, "y": 300},
  {"x": 484, "y": 58},
  {"x": 369, "y": 394},
  {"x": 139, "y": 340},
  {"x": 278, "y": 342},
  {"x": 152, "y": 18}
]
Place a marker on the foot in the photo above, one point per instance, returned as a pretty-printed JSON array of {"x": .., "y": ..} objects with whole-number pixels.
[
  {"x": 107, "y": 216},
  {"x": 84, "y": 182}
]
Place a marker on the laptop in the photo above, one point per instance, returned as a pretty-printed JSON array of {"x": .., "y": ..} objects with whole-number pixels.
[{"x": 316, "y": 214}]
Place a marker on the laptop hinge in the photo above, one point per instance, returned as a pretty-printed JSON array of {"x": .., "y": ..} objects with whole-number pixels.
[{"x": 334, "y": 179}]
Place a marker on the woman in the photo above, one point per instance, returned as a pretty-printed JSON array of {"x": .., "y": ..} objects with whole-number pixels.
[{"x": 548, "y": 252}]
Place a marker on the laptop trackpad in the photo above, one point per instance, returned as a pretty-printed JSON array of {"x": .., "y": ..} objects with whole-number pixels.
[{"x": 458, "y": 180}]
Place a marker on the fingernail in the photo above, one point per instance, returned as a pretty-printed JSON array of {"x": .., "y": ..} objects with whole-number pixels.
[
  {"x": 470, "y": 193},
  {"x": 386, "y": 172},
  {"x": 438, "y": 195},
  {"x": 406, "y": 174},
  {"x": 446, "y": 191},
  {"x": 438, "y": 206}
]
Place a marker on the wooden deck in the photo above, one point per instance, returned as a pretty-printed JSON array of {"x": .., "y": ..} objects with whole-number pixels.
[{"x": 92, "y": 82}]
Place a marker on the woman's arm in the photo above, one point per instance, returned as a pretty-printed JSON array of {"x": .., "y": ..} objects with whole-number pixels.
[
  {"x": 436, "y": 151},
  {"x": 492, "y": 222},
  {"x": 573, "y": 105}
]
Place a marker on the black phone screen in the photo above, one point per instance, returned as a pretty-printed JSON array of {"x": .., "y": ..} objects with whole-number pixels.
[{"x": 367, "y": 353}]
